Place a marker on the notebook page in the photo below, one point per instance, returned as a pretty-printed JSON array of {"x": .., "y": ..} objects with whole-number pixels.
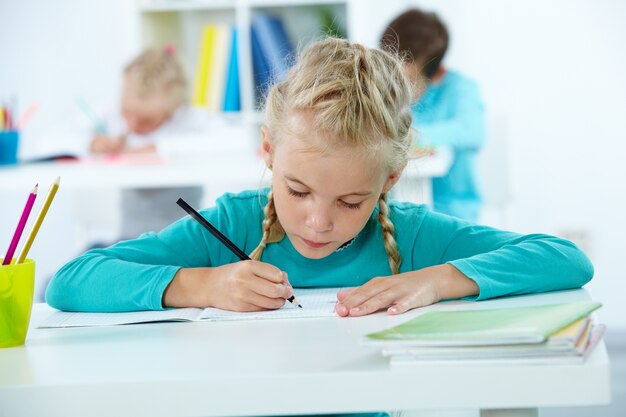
[
  {"x": 74, "y": 319},
  {"x": 316, "y": 302}
]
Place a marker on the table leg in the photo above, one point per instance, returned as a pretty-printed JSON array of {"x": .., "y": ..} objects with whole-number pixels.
[{"x": 511, "y": 412}]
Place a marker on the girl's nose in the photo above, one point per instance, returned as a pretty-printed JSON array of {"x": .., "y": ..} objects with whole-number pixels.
[{"x": 319, "y": 221}]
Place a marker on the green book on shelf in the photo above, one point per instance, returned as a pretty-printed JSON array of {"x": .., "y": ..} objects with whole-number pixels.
[{"x": 484, "y": 327}]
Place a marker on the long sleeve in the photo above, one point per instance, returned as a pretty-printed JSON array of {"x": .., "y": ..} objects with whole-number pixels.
[
  {"x": 132, "y": 275},
  {"x": 451, "y": 114},
  {"x": 502, "y": 263}
]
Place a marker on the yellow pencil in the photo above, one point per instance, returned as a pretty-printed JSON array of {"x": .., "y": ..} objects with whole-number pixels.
[{"x": 42, "y": 213}]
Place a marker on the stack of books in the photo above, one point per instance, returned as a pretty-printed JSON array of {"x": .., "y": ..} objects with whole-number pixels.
[
  {"x": 272, "y": 51},
  {"x": 545, "y": 334},
  {"x": 216, "y": 84}
]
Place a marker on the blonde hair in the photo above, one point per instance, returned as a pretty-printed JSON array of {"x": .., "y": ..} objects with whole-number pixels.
[
  {"x": 157, "y": 70},
  {"x": 358, "y": 97}
]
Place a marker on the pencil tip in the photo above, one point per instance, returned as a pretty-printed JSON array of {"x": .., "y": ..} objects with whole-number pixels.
[{"x": 300, "y": 305}]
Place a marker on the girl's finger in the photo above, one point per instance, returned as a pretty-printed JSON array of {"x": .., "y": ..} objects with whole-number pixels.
[
  {"x": 342, "y": 294},
  {"x": 267, "y": 271},
  {"x": 375, "y": 303},
  {"x": 269, "y": 289},
  {"x": 365, "y": 292},
  {"x": 262, "y": 302}
]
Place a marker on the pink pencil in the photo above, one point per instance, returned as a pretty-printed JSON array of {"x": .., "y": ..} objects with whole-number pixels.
[
  {"x": 20, "y": 226},
  {"x": 32, "y": 109}
]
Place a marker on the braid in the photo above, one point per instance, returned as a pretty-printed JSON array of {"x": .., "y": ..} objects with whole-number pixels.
[
  {"x": 272, "y": 230},
  {"x": 388, "y": 230}
]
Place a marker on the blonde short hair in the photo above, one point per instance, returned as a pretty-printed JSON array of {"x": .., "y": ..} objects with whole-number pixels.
[{"x": 155, "y": 71}]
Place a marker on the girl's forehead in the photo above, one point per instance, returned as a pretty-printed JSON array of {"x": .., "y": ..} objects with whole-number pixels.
[
  {"x": 303, "y": 135},
  {"x": 155, "y": 103},
  {"x": 314, "y": 151}
]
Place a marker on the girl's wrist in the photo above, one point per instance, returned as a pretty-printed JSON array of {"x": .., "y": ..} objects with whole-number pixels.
[
  {"x": 186, "y": 289},
  {"x": 452, "y": 283}
]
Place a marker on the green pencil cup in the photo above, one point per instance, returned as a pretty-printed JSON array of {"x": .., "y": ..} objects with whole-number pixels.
[
  {"x": 17, "y": 284},
  {"x": 9, "y": 141}
]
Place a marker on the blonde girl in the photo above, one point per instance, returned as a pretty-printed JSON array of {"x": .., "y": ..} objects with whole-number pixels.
[{"x": 337, "y": 137}]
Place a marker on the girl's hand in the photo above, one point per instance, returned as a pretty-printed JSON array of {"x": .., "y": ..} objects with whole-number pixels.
[
  {"x": 403, "y": 292},
  {"x": 106, "y": 144},
  {"x": 241, "y": 286}
]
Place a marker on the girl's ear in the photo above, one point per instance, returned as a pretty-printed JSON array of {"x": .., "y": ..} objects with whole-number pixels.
[
  {"x": 266, "y": 146},
  {"x": 392, "y": 179}
]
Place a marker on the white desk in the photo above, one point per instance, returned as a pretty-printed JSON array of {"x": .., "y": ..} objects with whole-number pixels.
[
  {"x": 271, "y": 367},
  {"x": 216, "y": 169}
]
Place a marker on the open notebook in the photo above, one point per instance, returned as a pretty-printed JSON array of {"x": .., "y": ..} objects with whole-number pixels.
[{"x": 318, "y": 302}]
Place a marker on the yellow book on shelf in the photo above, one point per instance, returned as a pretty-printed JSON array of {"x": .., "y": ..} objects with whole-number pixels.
[
  {"x": 203, "y": 65},
  {"x": 216, "y": 82}
]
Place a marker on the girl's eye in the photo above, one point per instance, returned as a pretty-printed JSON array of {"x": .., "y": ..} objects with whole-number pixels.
[
  {"x": 295, "y": 193},
  {"x": 351, "y": 206}
]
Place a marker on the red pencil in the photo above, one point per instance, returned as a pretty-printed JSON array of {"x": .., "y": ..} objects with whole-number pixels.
[{"x": 20, "y": 226}]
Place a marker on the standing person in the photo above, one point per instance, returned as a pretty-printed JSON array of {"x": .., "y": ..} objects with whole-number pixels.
[
  {"x": 448, "y": 112},
  {"x": 151, "y": 118},
  {"x": 337, "y": 138}
]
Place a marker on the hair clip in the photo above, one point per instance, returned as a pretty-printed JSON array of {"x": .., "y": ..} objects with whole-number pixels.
[{"x": 169, "y": 49}]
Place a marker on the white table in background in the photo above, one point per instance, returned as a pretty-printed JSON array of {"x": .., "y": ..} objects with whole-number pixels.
[
  {"x": 215, "y": 170},
  {"x": 272, "y": 367},
  {"x": 88, "y": 209}
]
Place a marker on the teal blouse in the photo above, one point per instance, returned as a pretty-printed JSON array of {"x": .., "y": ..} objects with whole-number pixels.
[
  {"x": 132, "y": 275},
  {"x": 450, "y": 113}
]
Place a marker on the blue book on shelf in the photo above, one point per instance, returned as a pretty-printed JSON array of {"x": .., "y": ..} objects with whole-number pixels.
[
  {"x": 274, "y": 43},
  {"x": 259, "y": 66},
  {"x": 232, "y": 95}
]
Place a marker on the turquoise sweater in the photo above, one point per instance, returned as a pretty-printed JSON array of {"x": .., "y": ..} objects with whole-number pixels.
[
  {"x": 450, "y": 113},
  {"x": 132, "y": 275}
]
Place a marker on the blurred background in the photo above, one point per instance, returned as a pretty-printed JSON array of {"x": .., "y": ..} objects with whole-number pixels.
[{"x": 551, "y": 76}]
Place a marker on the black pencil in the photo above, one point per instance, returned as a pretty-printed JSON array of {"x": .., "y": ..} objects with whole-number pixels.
[{"x": 230, "y": 245}]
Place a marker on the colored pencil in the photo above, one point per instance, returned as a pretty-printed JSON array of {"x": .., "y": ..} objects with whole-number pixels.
[
  {"x": 97, "y": 123},
  {"x": 30, "y": 201},
  {"x": 227, "y": 242},
  {"x": 42, "y": 213},
  {"x": 28, "y": 114}
]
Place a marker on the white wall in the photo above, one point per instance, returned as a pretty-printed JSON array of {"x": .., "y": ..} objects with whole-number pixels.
[{"x": 554, "y": 71}]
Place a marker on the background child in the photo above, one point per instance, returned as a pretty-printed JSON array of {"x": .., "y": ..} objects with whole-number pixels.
[
  {"x": 337, "y": 138},
  {"x": 152, "y": 116},
  {"x": 449, "y": 112}
]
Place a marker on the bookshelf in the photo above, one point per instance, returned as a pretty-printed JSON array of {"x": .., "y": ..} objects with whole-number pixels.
[{"x": 181, "y": 22}]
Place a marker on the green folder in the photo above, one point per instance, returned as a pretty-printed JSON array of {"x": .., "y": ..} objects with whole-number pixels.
[{"x": 496, "y": 326}]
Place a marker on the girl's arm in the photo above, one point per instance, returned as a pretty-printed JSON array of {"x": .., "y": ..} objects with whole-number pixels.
[
  {"x": 128, "y": 276},
  {"x": 406, "y": 291},
  {"x": 181, "y": 266},
  {"x": 240, "y": 286},
  {"x": 453, "y": 259}
]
